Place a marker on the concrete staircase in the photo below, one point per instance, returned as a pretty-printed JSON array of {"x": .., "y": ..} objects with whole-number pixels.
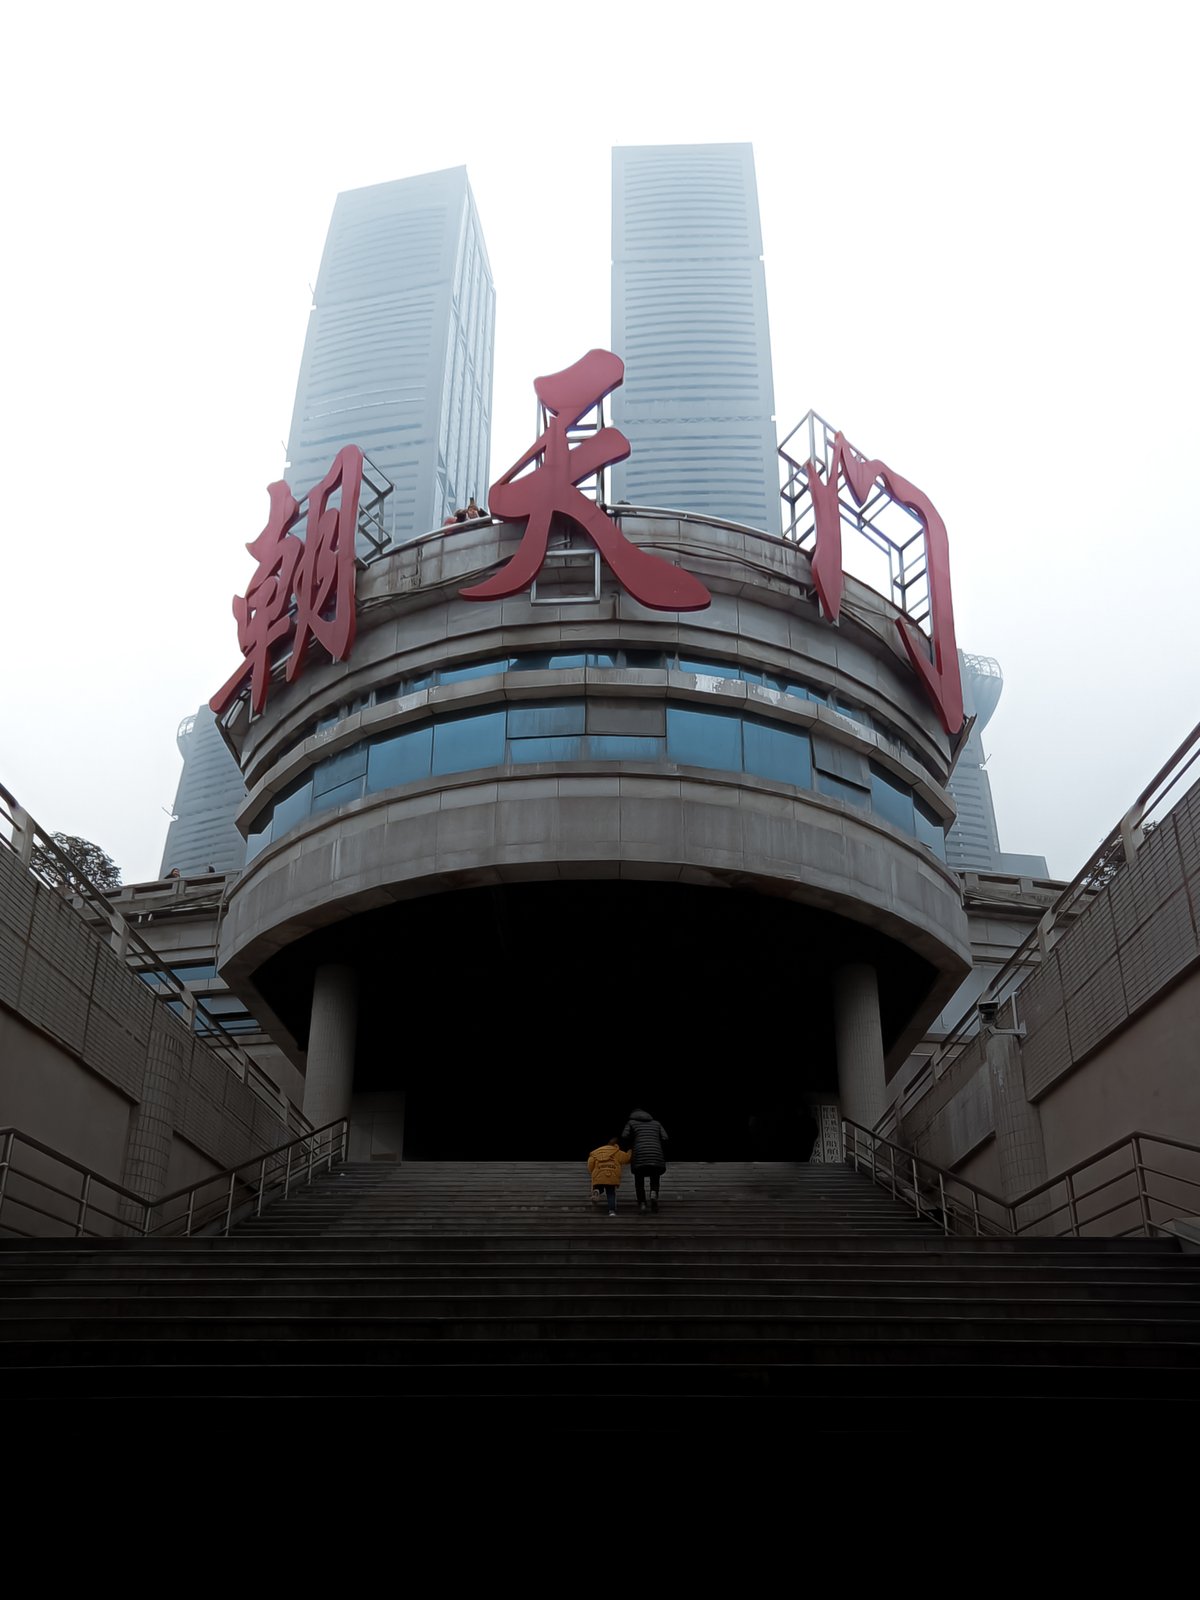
[{"x": 760, "y": 1296}]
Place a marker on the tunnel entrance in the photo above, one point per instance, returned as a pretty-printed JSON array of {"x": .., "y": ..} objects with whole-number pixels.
[
  {"x": 525, "y": 1021},
  {"x": 563, "y": 1118}
]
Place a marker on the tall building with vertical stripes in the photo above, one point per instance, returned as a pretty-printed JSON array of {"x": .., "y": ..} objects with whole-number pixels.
[
  {"x": 398, "y": 355},
  {"x": 203, "y": 833},
  {"x": 689, "y": 317}
]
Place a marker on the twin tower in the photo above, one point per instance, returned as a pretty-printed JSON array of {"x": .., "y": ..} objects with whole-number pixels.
[{"x": 398, "y": 357}]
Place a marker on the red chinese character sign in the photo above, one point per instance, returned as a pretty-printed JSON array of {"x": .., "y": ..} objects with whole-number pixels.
[
  {"x": 940, "y": 676},
  {"x": 315, "y": 573},
  {"x": 552, "y": 489}
]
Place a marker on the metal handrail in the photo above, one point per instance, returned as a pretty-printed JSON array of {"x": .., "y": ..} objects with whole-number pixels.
[
  {"x": 906, "y": 1184},
  {"x": 24, "y": 837},
  {"x": 138, "y": 1221},
  {"x": 860, "y": 1147}
]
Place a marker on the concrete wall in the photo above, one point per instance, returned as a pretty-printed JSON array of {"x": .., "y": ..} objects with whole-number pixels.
[
  {"x": 92, "y": 1065},
  {"x": 1112, "y": 1019}
]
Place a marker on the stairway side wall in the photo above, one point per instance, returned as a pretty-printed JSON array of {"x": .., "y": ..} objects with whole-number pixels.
[{"x": 92, "y": 1066}]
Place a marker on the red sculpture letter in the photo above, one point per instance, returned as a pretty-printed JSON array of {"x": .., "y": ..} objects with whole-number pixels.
[
  {"x": 262, "y": 613},
  {"x": 551, "y": 488},
  {"x": 941, "y": 678}
]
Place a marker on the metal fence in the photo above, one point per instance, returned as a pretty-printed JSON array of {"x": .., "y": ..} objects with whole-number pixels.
[{"x": 44, "y": 1193}]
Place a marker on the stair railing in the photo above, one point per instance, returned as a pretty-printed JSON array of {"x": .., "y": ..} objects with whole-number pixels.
[
  {"x": 936, "y": 1195},
  {"x": 1128, "y": 1179},
  {"x": 1122, "y": 1180},
  {"x": 96, "y": 1207}
]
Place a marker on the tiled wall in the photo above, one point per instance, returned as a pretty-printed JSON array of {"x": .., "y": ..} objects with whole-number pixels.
[{"x": 56, "y": 975}]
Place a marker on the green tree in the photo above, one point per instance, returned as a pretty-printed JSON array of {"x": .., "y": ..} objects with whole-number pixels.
[{"x": 84, "y": 860}]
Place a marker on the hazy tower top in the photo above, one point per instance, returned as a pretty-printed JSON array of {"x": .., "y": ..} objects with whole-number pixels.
[
  {"x": 689, "y": 317},
  {"x": 398, "y": 355}
]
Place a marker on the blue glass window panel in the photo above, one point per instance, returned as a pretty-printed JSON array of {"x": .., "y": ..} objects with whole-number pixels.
[
  {"x": 649, "y": 660},
  {"x": 624, "y": 747},
  {"x": 746, "y": 677},
  {"x": 292, "y": 808},
  {"x": 192, "y": 972},
  {"x": 892, "y": 800},
  {"x": 602, "y": 658},
  {"x": 474, "y": 669},
  {"x": 769, "y": 680},
  {"x": 564, "y": 749},
  {"x": 339, "y": 796},
  {"x": 929, "y": 828},
  {"x": 709, "y": 669},
  {"x": 781, "y": 754},
  {"x": 544, "y": 722},
  {"x": 340, "y": 769},
  {"x": 799, "y": 690},
  {"x": 330, "y": 721},
  {"x": 404, "y": 758},
  {"x": 533, "y": 661},
  {"x": 463, "y": 743},
  {"x": 245, "y": 1024},
  {"x": 259, "y": 836},
  {"x": 414, "y": 685},
  {"x": 850, "y": 792},
  {"x": 565, "y": 663},
  {"x": 704, "y": 739}
]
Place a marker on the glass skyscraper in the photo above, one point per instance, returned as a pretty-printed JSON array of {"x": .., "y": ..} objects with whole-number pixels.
[
  {"x": 398, "y": 355},
  {"x": 689, "y": 318},
  {"x": 398, "y": 360},
  {"x": 202, "y": 832},
  {"x": 973, "y": 840}
]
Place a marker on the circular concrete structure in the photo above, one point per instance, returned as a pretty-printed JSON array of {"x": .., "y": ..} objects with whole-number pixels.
[{"x": 585, "y": 834}]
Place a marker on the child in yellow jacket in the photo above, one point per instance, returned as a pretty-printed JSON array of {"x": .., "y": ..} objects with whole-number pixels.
[{"x": 605, "y": 1164}]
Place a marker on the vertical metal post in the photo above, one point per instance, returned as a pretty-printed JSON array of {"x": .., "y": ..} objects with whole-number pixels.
[
  {"x": 345, "y": 1138},
  {"x": 262, "y": 1178},
  {"x": 975, "y": 1210},
  {"x": 5, "y": 1163},
  {"x": 84, "y": 1192},
  {"x": 287, "y": 1175},
  {"x": 1143, "y": 1197},
  {"x": 147, "y": 1213},
  {"x": 1072, "y": 1210},
  {"x": 229, "y": 1202},
  {"x": 916, "y": 1191},
  {"x": 187, "y": 1233},
  {"x": 942, "y": 1197}
]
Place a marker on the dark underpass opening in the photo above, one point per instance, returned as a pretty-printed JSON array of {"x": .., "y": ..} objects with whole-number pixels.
[{"x": 525, "y": 1021}]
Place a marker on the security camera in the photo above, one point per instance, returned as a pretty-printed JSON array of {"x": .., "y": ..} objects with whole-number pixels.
[{"x": 989, "y": 1010}]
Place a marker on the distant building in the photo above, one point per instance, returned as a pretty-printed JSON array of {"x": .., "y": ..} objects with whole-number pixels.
[
  {"x": 689, "y": 318},
  {"x": 973, "y": 841},
  {"x": 398, "y": 356},
  {"x": 203, "y": 833}
]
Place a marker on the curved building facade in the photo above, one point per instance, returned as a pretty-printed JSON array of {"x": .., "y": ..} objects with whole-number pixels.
[{"x": 516, "y": 865}]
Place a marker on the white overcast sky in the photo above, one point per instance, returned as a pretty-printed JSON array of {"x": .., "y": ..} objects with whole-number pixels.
[{"x": 980, "y": 231}]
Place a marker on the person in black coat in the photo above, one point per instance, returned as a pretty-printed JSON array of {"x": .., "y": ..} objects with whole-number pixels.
[{"x": 646, "y": 1138}]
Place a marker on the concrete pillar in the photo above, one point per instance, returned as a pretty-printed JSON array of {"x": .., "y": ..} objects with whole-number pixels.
[
  {"x": 329, "y": 1076},
  {"x": 859, "y": 1043},
  {"x": 1019, "y": 1144}
]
